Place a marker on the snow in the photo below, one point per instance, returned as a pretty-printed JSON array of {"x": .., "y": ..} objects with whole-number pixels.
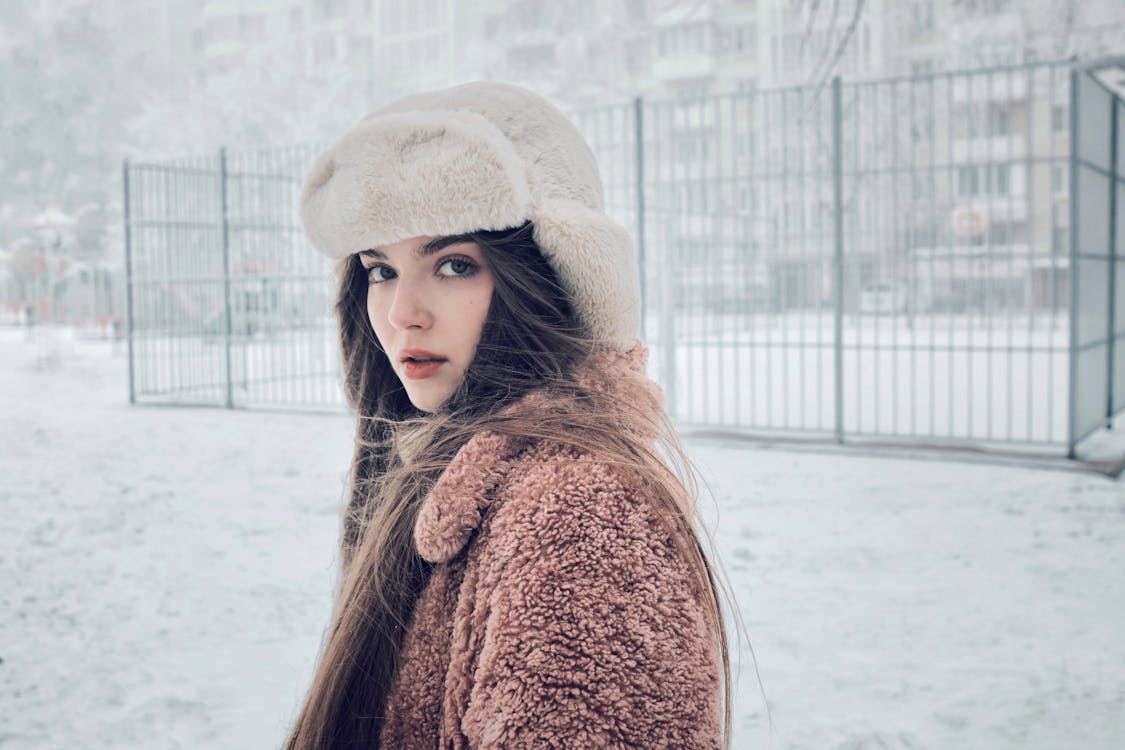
[
  {"x": 935, "y": 377},
  {"x": 166, "y": 576}
]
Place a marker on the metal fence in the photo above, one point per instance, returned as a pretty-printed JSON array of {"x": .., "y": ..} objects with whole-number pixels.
[
  {"x": 227, "y": 304},
  {"x": 1097, "y": 186},
  {"x": 886, "y": 258}
]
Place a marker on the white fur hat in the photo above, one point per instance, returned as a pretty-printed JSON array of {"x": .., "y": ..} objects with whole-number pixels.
[{"x": 480, "y": 156}]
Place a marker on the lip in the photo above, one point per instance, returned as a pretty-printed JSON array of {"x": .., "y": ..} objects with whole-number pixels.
[
  {"x": 420, "y": 370},
  {"x": 406, "y": 354}
]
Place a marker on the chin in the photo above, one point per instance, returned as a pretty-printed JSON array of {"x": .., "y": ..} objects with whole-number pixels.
[{"x": 428, "y": 403}]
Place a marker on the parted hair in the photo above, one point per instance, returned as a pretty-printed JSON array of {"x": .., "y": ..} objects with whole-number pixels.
[{"x": 532, "y": 340}]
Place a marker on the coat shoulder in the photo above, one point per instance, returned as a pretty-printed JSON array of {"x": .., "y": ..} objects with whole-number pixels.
[{"x": 565, "y": 490}]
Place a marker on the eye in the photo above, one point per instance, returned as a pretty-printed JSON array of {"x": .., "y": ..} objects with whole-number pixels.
[
  {"x": 452, "y": 267},
  {"x": 379, "y": 274}
]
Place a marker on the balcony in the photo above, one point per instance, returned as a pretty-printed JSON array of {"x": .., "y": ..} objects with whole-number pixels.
[
  {"x": 1001, "y": 86},
  {"x": 989, "y": 148},
  {"x": 684, "y": 67}
]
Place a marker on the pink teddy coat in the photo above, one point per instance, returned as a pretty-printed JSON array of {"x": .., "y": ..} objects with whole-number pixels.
[{"x": 559, "y": 613}]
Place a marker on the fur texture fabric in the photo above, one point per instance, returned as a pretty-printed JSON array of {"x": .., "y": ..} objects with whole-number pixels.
[
  {"x": 482, "y": 156},
  {"x": 559, "y": 613}
]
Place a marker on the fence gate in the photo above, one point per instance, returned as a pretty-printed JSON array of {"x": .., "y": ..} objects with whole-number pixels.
[
  {"x": 1097, "y": 188},
  {"x": 228, "y": 305},
  {"x": 883, "y": 259}
]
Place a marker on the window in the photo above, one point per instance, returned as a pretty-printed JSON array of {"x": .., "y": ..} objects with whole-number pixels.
[
  {"x": 999, "y": 119},
  {"x": 921, "y": 16},
  {"x": 994, "y": 179},
  {"x": 1001, "y": 182},
  {"x": 1060, "y": 240},
  {"x": 747, "y": 86},
  {"x": 691, "y": 90},
  {"x": 793, "y": 218},
  {"x": 746, "y": 39},
  {"x": 924, "y": 230},
  {"x": 967, "y": 181},
  {"x": 1058, "y": 118},
  {"x": 923, "y": 186},
  {"x": 746, "y": 199},
  {"x": 968, "y": 121},
  {"x": 1058, "y": 181},
  {"x": 921, "y": 68},
  {"x": 701, "y": 39},
  {"x": 745, "y": 145}
]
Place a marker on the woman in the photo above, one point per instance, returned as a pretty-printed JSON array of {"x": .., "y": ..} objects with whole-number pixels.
[{"x": 520, "y": 566}]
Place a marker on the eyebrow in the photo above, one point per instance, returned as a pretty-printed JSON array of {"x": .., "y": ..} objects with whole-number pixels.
[{"x": 435, "y": 245}]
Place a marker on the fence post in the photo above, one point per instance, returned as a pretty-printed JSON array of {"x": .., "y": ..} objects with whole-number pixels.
[
  {"x": 128, "y": 281},
  {"x": 838, "y": 254},
  {"x": 639, "y": 158},
  {"x": 666, "y": 312},
  {"x": 1072, "y": 385},
  {"x": 1112, "y": 252},
  {"x": 226, "y": 272}
]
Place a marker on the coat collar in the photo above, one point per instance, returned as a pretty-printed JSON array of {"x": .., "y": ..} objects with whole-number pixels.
[{"x": 454, "y": 507}]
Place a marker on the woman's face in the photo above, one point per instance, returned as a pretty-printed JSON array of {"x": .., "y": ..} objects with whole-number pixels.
[{"x": 427, "y": 298}]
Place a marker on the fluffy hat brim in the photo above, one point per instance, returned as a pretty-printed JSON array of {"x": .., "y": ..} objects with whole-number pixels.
[{"x": 439, "y": 172}]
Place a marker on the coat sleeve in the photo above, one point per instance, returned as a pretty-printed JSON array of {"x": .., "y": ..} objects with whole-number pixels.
[{"x": 594, "y": 636}]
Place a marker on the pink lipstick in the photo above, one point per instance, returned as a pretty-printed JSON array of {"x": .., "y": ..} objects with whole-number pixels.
[{"x": 419, "y": 364}]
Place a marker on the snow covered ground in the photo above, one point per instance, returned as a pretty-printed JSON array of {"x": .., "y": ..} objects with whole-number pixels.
[{"x": 166, "y": 575}]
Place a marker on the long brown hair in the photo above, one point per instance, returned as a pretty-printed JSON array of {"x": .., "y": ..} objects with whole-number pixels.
[{"x": 531, "y": 340}]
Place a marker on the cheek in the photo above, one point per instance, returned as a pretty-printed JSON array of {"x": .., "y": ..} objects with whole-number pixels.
[
  {"x": 474, "y": 320},
  {"x": 377, "y": 316},
  {"x": 483, "y": 302}
]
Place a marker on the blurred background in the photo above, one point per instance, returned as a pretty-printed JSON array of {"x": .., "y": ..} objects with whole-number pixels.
[
  {"x": 851, "y": 192},
  {"x": 884, "y": 293}
]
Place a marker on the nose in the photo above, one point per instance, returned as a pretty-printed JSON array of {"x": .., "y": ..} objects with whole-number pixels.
[{"x": 408, "y": 308}]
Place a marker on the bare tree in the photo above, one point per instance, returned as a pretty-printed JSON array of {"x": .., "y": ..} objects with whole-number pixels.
[
  {"x": 821, "y": 76},
  {"x": 814, "y": 6}
]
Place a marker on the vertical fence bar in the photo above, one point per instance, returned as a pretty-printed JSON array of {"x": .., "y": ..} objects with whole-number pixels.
[
  {"x": 1112, "y": 252},
  {"x": 1072, "y": 386},
  {"x": 1030, "y": 302},
  {"x": 226, "y": 272},
  {"x": 838, "y": 256},
  {"x": 639, "y": 158},
  {"x": 128, "y": 280},
  {"x": 667, "y": 291}
]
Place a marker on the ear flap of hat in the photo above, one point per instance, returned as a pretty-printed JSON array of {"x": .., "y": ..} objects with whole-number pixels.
[{"x": 593, "y": 256}]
